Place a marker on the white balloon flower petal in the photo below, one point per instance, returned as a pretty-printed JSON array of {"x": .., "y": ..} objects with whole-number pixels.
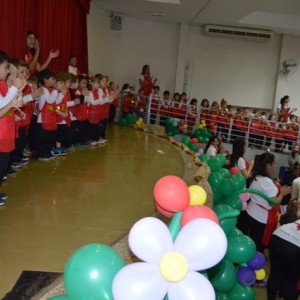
[
  {"x": 149, "y": 239},
  {"x": 195, "y": 286},
  {"x": 202, "y": 242},
  {"x": 139, "y": 281}
]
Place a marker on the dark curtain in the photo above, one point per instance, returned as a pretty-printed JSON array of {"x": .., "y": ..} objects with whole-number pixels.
[{"x": 58, "y": 24}]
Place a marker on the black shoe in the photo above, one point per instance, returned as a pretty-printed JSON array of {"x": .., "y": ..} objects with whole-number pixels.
[{"x": 11, "y": 172}]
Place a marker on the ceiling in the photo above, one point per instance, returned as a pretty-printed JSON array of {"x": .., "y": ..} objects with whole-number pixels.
[{"x": 280, "y": 16}]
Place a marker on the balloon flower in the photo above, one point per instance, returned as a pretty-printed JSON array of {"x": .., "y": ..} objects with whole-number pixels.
[
  {"x": 170, "y": 268},
  {"x": 175, "y": 126}
]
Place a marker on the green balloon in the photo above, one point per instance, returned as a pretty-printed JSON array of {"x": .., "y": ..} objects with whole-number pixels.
[
  {"x": 234, "y": 202},
  {"x": 221, "y": 296},
  {"x": 90, "y": 271},
  {"x": 205, "y": 140},
  {"x": 241, "y": 292},
  {"x": 214, "y": 163},
  {"x": 185, "y": 140},
  {"x": 123, "y": 122},
  {"x": 240, "y": 249},
  {"x": 204, "y": 157},
  {"x": 200, "y": 139},
  {"x": 239, "y": 181},
  {"x": 225, "y": 172},
  {"x": 227, "y": 224},
  {"x": 59, "y": 297},
  {"x": 170, "y": 133},
  {"x": 217, "y": 197},
  {"x": 176, "y": 130},
  {"x": 222, "y": 159},
  {"x": 227, "y": 186},
  {"x": 223, "y": 276},
  {"x": 215, "y": 179},
  {"x": 236, "y": 231},
  {"x": 194, "y": 147}
]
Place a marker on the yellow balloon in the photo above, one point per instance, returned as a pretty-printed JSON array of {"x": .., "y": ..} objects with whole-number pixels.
[
  {"x": 173, "y": 266},
  {"x": 260, "y": 274},
  {"x": 140, "y": 119},
  {"x": 197, "y": 195},
  {"x": 203, "y": 121}
]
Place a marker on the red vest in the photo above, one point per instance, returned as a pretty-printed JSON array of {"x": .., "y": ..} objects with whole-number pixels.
[
  {"x": 104, "y": 108},
  {"x": 292, "y": 132},
  {"x": 165, "y": 108},
  {"x": 148, "y": 88},
  {"x": 27, "y": 108},
  {"x": 94, "y": 110},
  {"x": 63, "y": 108},
  {"x": 155, "y": 103},
  {"x": 191, "y": 119},
  {"x": 224, "y": 119},
  {"x": 204, "y": 114},
  {"x": 7, "y": 125},
  {"x": 270, "y": 129},
  {"x": 128, "y": 103}
]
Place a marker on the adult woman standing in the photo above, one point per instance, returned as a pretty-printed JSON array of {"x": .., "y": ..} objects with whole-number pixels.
[
  {"x": 146, "y": 81},
  {"x": 260, "y": 218},
  {"x": 33, "y": 52},
  {"x": 283, "y": 108},
  {"x": 237, "y": 159}
]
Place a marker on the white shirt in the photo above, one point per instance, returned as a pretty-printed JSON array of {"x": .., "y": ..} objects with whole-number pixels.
[
  {"x": 289, "y": 232},
  {"x": 241, "y": 164},
  {"x": 73, "y": 70},
  {"x": 296, "y": 188},
  {"x": 211, "y": 151},
  {"x": 258, "y": 207}
]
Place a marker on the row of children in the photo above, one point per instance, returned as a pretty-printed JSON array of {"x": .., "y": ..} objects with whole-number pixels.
[
  {"x": 49, "y": 112},
  {"x": 220, "y": 118}
]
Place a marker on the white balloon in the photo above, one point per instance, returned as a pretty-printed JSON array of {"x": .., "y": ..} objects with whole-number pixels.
[
  {"x": 193, "y": 287},
  {"x": 149, "y": 239},
  {"x": 202, "y": 242},
  {"x": 139, "y": 281}
]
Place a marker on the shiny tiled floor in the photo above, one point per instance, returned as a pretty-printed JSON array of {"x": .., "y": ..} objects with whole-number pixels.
[{"x": 92, "y": 195}]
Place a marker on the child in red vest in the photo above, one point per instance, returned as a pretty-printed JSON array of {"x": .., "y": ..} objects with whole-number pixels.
[
  {"x": 165, "y": 108},
  {"x": 47, "y": 119},
  {"x": 270, "y": 130},
  {"x": 7, "y": 120},
  {"x": 154, "y": 100},
  {"x": 279, "y": 136},
  {"x": 63, "y": 82},
  {"x": 106, "y": 97}
]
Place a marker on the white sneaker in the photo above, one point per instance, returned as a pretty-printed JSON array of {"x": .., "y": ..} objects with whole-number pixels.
[
  {"x": 93, "y": 143},
  {"x": 102, "y": 141}
]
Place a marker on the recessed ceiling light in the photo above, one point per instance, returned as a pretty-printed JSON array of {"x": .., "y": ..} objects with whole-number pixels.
[
  {"x": 156, "y": 14},
  {"x": 166, "y": 1}
]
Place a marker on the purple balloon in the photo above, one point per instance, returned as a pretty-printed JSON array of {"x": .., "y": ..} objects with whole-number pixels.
[
  {"x": 246, "y": 276},
  {"x": 257, "y": 262}
]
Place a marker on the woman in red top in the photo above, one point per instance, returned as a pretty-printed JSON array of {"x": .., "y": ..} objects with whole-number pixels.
[
  {"x": 283, "y": 108},
  {"x": 146, "y": 81},
  {"x": 33, "y": 52}
]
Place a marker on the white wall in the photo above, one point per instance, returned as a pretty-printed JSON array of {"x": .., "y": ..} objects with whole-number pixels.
[
  {"x": 122, "y": 54},
  {"x": 289, "y": 85},
  {"x": 243, "y": 72}
]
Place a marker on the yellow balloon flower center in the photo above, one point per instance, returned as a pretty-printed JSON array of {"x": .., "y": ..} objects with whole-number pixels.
[{"x": 173, "y": 266}]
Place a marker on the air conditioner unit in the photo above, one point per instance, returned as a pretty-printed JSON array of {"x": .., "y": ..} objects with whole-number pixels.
[{"x": 238, "y": 33}]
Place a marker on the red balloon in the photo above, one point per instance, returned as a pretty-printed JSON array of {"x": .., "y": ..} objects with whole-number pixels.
[
  {"x": 180, "y": 128},
  {"x": 164, "y": 212},
  {"x": 234, "y": 171},
  {"x": 198, "y": 211},
  {"x": 200, "y": 146},
  {"x": 171, "y": 193},
  {"x": 194, "y": 141}
]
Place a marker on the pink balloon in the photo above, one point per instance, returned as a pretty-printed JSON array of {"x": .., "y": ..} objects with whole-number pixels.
[
  {"x": 244, "y": 197},
  {"x": 171, "y": 193},
  {"x": 164, "y": 212},
  {"x": 197, "y": 212},
  {"x": 244, "y": 205},
  {"x": 234, "y": 171}
]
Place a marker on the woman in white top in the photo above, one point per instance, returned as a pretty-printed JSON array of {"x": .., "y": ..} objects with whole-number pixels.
[
  {"x": 237, "y": 159},
  {"x": 212, "y": 148},
  {"x": 260, "y": 217},
  {"x": 284, "y": 253}
]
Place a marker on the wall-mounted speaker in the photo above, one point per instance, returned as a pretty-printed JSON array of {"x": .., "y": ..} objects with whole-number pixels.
[{"x": 116, "y": 23}]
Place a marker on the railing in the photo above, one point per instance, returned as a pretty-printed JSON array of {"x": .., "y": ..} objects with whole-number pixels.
[{"x": 258, "y": 133}]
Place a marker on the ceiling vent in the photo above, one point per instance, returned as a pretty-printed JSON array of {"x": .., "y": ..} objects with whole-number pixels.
[{"x": 238, "y": 33}]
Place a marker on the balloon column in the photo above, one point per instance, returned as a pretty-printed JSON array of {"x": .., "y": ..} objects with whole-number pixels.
[
  {"x": 128, "y": 119},
  {"x": 175, "y": 126},
  {"x": 140, "y": 123}
]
